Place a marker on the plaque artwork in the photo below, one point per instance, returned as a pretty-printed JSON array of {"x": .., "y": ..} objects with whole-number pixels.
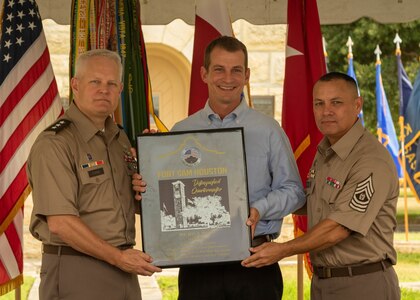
[{"x": 196, "y": 203}]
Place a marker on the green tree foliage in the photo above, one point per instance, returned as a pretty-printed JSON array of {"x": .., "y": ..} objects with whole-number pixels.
[{"x": 366, "y": 34}]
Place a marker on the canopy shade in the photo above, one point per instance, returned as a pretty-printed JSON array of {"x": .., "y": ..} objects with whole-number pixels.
[{"x": 162, "y": 12}]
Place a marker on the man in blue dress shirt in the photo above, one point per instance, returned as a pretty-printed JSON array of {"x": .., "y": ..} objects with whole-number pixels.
[{"x": 274, "y": 184}]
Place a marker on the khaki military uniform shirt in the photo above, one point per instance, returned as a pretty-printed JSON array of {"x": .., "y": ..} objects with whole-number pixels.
[
  {"x": 76, "y": 169},
  {"x": 354, "y": 183}
]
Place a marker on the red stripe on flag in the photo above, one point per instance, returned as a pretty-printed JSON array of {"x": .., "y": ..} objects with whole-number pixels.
[
  {"x": 3, "y": 274},
  {"x": 27, "y": 124},
  {"x": 15, "y": 189},
  {"x": 24, "y": 85},
  {"x": 203, "y": 35},
  {"x": 15, "y": 244}
]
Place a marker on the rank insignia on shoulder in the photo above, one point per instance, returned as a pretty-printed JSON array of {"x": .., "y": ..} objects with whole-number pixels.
[
  {"x": 59, "y": 125},
  {"x": 362, "y": 195}
]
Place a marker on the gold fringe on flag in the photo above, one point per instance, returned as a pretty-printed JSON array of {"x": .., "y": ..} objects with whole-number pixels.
[{"x": 11, "y": 285}]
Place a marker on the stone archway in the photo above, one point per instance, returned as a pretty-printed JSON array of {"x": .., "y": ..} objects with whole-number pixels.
[{"x": 169, "y": 73}]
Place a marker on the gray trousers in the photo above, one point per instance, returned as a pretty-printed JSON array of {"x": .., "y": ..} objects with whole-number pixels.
[
  {"x": 73, "y": 277},
  {"x": 378, "y": 285}
]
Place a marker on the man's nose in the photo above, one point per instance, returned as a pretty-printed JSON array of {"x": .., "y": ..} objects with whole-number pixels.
[
  {"x": 327, "y": 109},
  {"x": 104, "y": 88}
]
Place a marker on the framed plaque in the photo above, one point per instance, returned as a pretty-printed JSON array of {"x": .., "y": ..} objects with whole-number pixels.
[{"x": 196, "y": 201}]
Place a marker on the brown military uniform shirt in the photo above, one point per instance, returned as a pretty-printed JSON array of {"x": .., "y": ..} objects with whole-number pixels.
[
  {"x": 354, "y": 183},
  {"x": 78, "y": 170}
]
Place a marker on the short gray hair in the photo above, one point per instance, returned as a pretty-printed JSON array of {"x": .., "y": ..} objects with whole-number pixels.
[{"x": 85, "y": 56}]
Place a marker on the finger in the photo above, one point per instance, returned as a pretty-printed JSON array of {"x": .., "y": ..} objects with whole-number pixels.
[
  {"x": 136, "y": 176},
  {"x": 133, "y": 152},
  {"x": 249, "y": 221},
  {"x": 248, "y": 261}
]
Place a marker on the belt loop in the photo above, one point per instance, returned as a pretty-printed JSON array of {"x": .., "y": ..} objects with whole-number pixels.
[
  {"x": 383, "y": 265},
  {"x": 59, "y": 251},
  {"x": 327, "y": 272},
  {"x": 350, "y": 271}
]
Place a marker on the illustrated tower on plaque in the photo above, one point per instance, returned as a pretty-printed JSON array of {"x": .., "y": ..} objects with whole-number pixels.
[{"x": 179, "y": 203}]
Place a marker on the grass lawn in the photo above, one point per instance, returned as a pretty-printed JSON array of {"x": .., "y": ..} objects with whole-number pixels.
[
  {"x": 413, "y": 210},
  {"x": 25, "y": 288}
]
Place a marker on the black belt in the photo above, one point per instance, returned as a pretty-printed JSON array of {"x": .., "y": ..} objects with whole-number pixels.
[
  {"x": 66, "y": 250},
  {"x": 260, "y": 239},
  {"x": 324, "y": 272}
]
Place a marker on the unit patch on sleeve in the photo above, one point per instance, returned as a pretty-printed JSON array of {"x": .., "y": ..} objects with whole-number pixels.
[{"x": 362, "y": 195}]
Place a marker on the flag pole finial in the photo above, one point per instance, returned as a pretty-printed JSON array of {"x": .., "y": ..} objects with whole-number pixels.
[
  {"x": 397, "y": 42},
  {"x": 324, "y": 46},
  {"x": 378, "y": 53},
  {"x": 350, "y": 44}
]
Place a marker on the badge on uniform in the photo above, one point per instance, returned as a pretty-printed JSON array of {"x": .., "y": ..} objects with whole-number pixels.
[
  {"x": 92, "y": 164},
  {"x": 130, "y": 160},
  {"x": 362, "y": 195},
  {"x": 332, "y": 182},
  {"x": 311, "y": 174}
]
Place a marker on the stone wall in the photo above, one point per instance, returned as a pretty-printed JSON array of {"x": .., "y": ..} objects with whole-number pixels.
[{"x": 265, "y": 43}]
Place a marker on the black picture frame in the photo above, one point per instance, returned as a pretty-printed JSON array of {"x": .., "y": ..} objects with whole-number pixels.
[{"x": 196, "y": 201}]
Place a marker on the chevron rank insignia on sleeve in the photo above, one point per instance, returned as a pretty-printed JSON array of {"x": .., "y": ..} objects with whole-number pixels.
[{"x": 362, "y": 195}]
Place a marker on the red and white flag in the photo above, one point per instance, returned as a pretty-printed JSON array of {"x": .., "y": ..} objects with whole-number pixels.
[
  {"x": 305, "y": 64},
  {"x": 29, "y": 101},
  {"x": 211, "y": 21}
]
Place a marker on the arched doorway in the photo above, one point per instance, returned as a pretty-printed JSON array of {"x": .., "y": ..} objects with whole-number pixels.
[{"x": 170, "y": 78}]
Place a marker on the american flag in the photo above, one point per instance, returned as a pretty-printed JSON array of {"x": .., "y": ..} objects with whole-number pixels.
[{"x": 29, "y": 102}]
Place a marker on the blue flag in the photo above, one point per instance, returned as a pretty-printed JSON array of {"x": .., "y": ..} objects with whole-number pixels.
[
  {"x": 412, "y": 137},
  {"x": 352, "y": 74},
  {"x": 404, "y": 85},
  {"x": 386, "y": 130}
]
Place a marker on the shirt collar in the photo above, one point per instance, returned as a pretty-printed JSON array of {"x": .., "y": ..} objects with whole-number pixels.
[
  {"x": 345, "y": 145},
  {"x": 238, "y": 113},
  {"x": 85, "y": 125}
]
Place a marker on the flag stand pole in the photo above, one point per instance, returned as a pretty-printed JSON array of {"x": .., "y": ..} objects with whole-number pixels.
[
  {"x": 300, "y": 276},
  {"x": 18, "y": 293},
  {"x": 401, "y": 119}
]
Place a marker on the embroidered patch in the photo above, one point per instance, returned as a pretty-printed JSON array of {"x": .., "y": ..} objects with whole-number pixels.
[{"x": 362, "y": 195}]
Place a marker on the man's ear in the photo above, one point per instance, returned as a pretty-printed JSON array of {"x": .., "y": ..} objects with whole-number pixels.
[
  {"x": 359, "y": 104},
  {"x": 247, "y": 75},
  {"x": 74, "y": 83},
  {"x": 203, "y": 73}
]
